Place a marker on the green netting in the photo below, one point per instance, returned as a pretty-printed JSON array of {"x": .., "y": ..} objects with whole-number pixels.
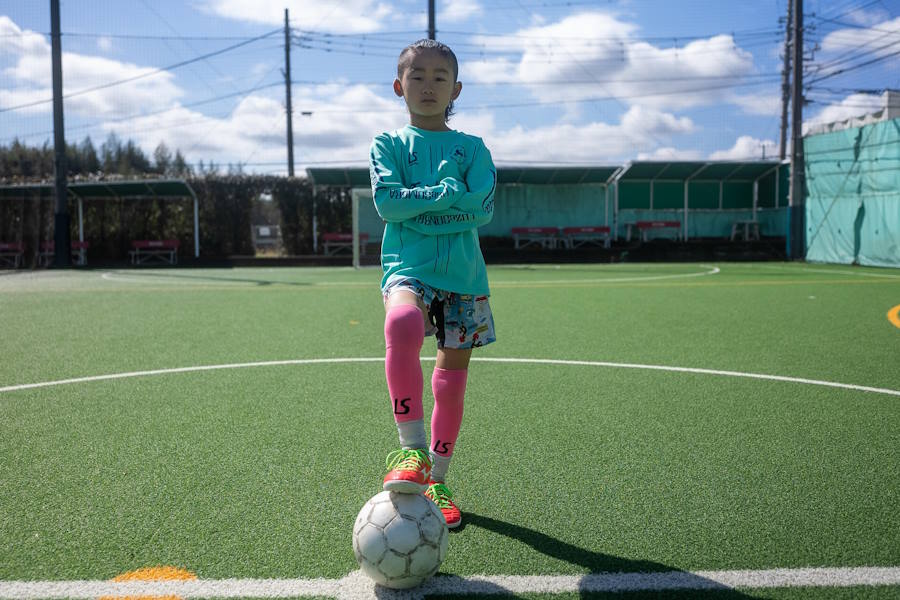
[
  {"x": 548, "y": 206},
  {"x": 853, "y": 201}
]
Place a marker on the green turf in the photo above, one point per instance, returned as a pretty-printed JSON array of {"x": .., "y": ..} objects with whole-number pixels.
[{"x": 561, "y": 469}]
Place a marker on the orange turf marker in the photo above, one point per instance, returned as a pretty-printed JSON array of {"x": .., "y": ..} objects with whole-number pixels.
[
  {"x": 893, "y": 316},
  {"x": 152, "y": 574}
]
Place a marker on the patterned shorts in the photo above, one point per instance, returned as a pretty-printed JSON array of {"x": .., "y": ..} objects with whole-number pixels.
[{"x": 459, "y": 321}]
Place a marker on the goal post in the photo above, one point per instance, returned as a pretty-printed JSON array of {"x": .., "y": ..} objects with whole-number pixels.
[{"x": 367, "y": 226}]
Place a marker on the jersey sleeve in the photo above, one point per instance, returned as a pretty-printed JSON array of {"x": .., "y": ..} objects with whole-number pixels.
[
  {"x": 473, "y": 209},
  {"x": 393, "y": 200}
]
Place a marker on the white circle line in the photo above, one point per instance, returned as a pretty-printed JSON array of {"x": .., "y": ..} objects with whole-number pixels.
[
  {"x": 712, "y": 271},
  {"x": 164, "y": 279},
  {"x": 533, "y": 361}
]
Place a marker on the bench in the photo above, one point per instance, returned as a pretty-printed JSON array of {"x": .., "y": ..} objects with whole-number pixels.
[
  {"x": 546, "y": 237},
  {"x": 11, "y": 254},
  {"x": 573, "y": 237},
  {"x": 751, "y": 230},
  {"x": 48, "y": 252},
  {"x": 332, "y": 243},
  {"x": 643, "y": 227},
  {"x": 161, "y": 251}
]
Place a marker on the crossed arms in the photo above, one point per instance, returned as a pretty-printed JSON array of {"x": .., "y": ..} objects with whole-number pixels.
[{"x": 453, "y": 205}]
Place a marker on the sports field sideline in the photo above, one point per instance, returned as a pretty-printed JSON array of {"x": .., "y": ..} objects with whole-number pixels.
[{"x": 658, "y": 430}]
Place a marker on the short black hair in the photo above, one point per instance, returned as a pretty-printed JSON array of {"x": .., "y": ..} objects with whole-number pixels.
[{"x": 422, "y": 45}]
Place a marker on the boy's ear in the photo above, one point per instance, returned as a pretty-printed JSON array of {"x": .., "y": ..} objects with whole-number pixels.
[
  {"x": 457, "y": 88},
  {"x": 398, "y": 88}
]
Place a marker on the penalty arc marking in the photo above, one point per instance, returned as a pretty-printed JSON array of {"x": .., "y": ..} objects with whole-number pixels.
[{"x": 533, "y": 361}]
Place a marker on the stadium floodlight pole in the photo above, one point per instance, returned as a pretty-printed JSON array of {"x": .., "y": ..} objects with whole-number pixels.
[
  {"x": 431, "y": 30},
  {"x": 786, "y": 80},
  {"x": 287, "y": 87},
  {"x": 62, "y": 237},
  {"x": 796, "y": 237}
]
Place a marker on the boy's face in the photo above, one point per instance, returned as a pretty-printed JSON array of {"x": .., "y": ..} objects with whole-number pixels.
[{"x": 427, "y": 84}]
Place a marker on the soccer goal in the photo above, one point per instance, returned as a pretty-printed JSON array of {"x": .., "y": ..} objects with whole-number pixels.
[{"x": 368, "y": 227}]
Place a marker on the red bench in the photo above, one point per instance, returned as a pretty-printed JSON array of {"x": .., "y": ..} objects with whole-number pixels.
[
  {"x": 332, "y": 243},
  {"x": 48, "y": 251},
  {"x": 644, "y": 226},
  {"x": 546, "y": 237},
  {"x": 11, "y": 254},
  {"x": 161, "y": 251},
  {"x": 574, "y": 237}
]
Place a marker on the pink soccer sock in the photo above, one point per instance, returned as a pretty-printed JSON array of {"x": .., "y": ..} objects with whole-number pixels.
[
  {"x": 404, "y": 332},
  {"x": 449, "y": 387}
]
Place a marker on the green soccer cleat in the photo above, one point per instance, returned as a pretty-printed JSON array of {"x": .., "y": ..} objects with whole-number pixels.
[
  {"x": 441, "y": 495},
  {"x": 408, "y": 471}
]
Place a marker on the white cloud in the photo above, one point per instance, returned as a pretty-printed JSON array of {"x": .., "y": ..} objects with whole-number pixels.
[
  {"x": 747, "y": 148},
  {"x": 669, "y": 153},
  {"x": 29, "y": 79},
  {"x": 757, "y": 104},
  {"x": 854, "y": 105},
  {"x": 879, "y": 40},
  {"x": 593, "y": 54},
  {"x": 104, "y": 43},
  {"x": 639, "y": 129},
  {"x": 458, "y": 11},
  {"x": 254, "y": 131},
  {"x": 867, "y": 18},
  {"x": 346, "y": 16}
]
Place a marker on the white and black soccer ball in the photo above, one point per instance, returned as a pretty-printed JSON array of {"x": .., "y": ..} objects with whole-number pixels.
[{"x": 400, "y": 540}]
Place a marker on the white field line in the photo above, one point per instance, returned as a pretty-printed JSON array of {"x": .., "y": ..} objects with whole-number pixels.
[
  {"x": 826, "y": 271},
  {"x": 531, "y": 361},
  {"x": 162, "y": 278},
  {"x": 356, "y": 585},
  {"x": 712, "y": 271}
]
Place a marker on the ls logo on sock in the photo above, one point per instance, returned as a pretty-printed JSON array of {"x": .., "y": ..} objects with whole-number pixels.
[
  {"x": 442, "y": 447},
  {"x": 401, "y": 407}
]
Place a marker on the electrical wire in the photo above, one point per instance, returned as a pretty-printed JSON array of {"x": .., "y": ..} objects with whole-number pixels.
[{"x": 142, "y": 75}]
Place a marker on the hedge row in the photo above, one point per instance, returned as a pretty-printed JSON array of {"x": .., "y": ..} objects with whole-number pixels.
[{"x": 228, "y": 206}]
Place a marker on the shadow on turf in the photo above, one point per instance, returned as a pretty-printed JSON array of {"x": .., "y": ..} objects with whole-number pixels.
[{"x": 597, "y": 563}]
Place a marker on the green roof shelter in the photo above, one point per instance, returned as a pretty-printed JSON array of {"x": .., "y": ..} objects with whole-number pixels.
[{"x": 85, "y": 190}]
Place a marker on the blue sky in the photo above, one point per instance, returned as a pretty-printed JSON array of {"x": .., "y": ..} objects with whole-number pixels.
[{"x": 544, "y": 81}]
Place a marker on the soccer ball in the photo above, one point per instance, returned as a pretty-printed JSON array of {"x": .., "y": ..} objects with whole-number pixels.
[{"x": 400, "y": 539}]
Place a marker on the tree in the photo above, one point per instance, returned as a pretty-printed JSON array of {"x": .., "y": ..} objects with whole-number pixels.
[
  {"x": 163, "y": 159},
  {"x": 180, "y": 168},
  {"x": 89, "y": 160}
]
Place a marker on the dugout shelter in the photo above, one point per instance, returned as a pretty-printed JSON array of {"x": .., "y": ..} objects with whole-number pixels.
[
  {"x": 705, "y": 198},
  {"x": 85, "y": 191}
]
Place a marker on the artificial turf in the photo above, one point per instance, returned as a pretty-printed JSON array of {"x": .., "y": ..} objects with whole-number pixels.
[{"x": 561, "y": 469}]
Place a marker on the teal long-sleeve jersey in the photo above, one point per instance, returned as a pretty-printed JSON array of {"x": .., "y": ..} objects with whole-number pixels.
[{"x": 433, "y": 189}]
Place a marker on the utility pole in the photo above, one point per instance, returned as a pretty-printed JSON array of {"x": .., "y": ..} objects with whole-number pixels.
[
  {"x": 786, "y": 79},
  {"x": 431, "y": 30},
  {"x": 62, "y": 237},
  {"x": 287, "y": 87},
  {"x": 796, "y": 227}
]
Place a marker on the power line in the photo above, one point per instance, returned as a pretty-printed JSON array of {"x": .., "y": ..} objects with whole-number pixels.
[
  {"x": 856, "y": 66},
  {"x": 143, "y": 75}
]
